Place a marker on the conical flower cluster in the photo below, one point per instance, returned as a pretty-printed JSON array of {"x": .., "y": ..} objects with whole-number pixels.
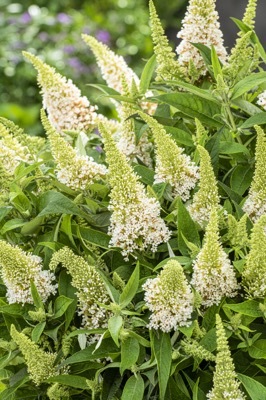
[
  {"x": 115, "y": 70},
  {"x": 237, "y": 231},
  {"x": 250, "y": 14},
  {"x": 90, "y": 288},
  {"x": 225, "y": 383},
  {"x": 213, "y": 274},
  {"x": 241, "y": 53},
  {"x": 125, "y": 138},
  {"x": 167, "y": 66},
  {"x": 40, "y": 364},
  {"x": 200, "y": 25},
  {"x": 255, "y": 205},
  {"x": 254, "y": 272},
  {"x": 193, "y": 348},
  {"x": 31, "y": 144},
  {"x": 135, "y": 222},
  {"x": 12, "y": 152},
  {"x": 75, "y": 171},
  {"x": 113, "y": 67},
  {"x": 172, "y": 166},
  {"x": 18, "y": 269},
  {"x": 66, "y": 108},
  {"x": 169, "y": 298},
  {"x": 58, "y": 392},
  {"x": 207, "y": 196}
]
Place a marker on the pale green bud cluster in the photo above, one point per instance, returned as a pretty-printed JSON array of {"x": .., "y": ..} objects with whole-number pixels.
[
  {"x": 200, "y": 25},
  {"x": 167, "y": 66},
  {"x": 126, "y": 139},
  {"x": 115, "y": 70},
  {"x": 213, "y": 274},
  {"x": 90, "y": 288},
  {"x": 135, "y": 222},
  {"x": 207, "y": 196},
  {"x": 33, "y": 144},
  {"x": 194, "y": 349},
  {"x": 237, "y": 231},
  {"x": 201, "y": 133},
  {"x": 242, "y": 55},
  {"x": 250, "y": 14},
  {"x": 12, "y": 152},
  {"x": 66, "y": 108},
  {"x": 169, "y": 298},
  {"x": 113, "y": 67},
  {"x": 18, "y": 269},
  {"x": 172, "y": 166},
  {"x": 75, "y": 171},
  {"x": 40, "y": 364},
  {"x": 225, "y": 383},
  {"x": 58, "y": 392},
  {"x": 254, "y": 272},
  {"x": 255, "y": 204}
]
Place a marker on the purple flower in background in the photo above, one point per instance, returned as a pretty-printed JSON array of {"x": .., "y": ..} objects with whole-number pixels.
[
  {"x": 18, "y": 45},
  {"x": 69, "y": 49},
  {"x": 86, "y": 30},
  {"x": 103, "y": 36},
  {"x": 25, "y": 18},
  {"x": 12, "y": 21},
  {"x": 99, "y": 149},
  {"x": 79, "y": 67},
  {"x": 64, "y": 19},
  {"x": 43, "y": 36}
]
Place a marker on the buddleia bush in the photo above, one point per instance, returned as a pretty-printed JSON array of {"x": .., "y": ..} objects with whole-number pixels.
[{"x": 132, "y": 250}]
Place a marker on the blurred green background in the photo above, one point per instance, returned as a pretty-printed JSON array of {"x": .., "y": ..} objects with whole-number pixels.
[{"x": 53, "y": 28}]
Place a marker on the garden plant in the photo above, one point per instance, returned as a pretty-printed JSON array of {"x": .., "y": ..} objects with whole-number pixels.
[{"x": 133, "y": 249}]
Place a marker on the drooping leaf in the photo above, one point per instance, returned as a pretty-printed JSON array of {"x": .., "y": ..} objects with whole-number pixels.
[
  {"x": 248, "y": 83},
  {"x": 186, "y": 228},
  {"x": 129, "y": 353},
  {"x": 130, "y": 289},
  {"x": 241, "y": 178},
  {"x": 248, "y": 307},
  {"x": 254, "y": 388},
  {"x": 257, "y": 119},
  {"x": 114, "y": 325},
  {"x": 147, "y": 74},
  {"x": 194, "y": 106},
  {"x": 56, "y": 203},
  {"x": 134, "y": 388},
  {"x": 162, "y": 348}
]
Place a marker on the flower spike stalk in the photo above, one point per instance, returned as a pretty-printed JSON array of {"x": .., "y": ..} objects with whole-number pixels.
[
  {"x": 254, "y": 272},
  {"x": 225, "y": 383},
  {"x": 113, "y": 67},
  {"x": 169, "y": 298},
  {"x": 213, "y": 274},
  {"x": 40, "y": 364},
  {"x": 66, "y": 108},
  {"x": 18, "y": 269},
  {"x": 90, "y": 288},
  {"x": 250, "y": 14},
  {"x": 167, "y": 66},
  {"x": 172, "y": 166},
  {"x": 136, "y": 224},
  {"x": 200, "y": 25},
  {"x": 75, "y": 171},
  {"x": 207, "y": 196},
  {"x": 255, "y": 204}
]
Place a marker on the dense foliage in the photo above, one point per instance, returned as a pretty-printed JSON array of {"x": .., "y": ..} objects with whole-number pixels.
[{"x": 132, "y": 250}]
